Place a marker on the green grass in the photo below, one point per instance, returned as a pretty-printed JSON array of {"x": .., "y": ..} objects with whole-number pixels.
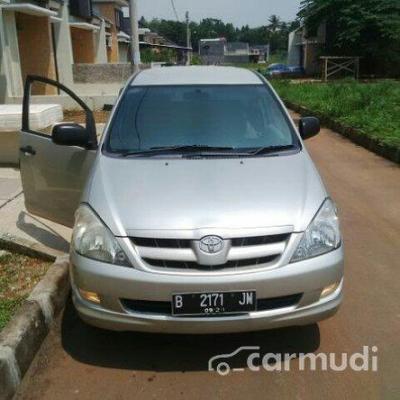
[
  {"x": 372, "y": 108},
  {"x": 18, "y": 275},
  {"x": 8, "y": 309},
  {"x": 274, "y": 58},
  {"x": 278, "y": 58}
]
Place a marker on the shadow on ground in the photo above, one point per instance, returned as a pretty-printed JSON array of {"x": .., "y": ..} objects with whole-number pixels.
[
  {"x": 157, "y": 352},
  {"x": 41, "y": 232}
]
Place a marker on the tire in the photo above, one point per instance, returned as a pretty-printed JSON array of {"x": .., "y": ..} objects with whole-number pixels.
[{"x": 223, "y": 368}]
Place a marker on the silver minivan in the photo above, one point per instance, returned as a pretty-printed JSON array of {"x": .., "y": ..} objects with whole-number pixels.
[{"x": 198, "y": 211}]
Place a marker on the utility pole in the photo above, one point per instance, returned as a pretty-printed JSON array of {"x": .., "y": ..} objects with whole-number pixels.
[
  {"x": 188, "y": 39},
  {"x": 135, "y": 47}
]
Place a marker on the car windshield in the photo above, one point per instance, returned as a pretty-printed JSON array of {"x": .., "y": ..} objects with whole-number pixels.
[{"x": 230, "y": 117}]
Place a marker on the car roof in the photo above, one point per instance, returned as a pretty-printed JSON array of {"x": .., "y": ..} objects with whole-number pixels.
[{"x": 196, "y": 75}]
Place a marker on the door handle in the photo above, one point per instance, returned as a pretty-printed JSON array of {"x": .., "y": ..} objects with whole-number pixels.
[{"x": 28, "y": 150}]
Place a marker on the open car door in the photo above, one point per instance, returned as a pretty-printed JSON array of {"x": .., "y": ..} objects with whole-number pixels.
[{"x": 55, "y": 160}]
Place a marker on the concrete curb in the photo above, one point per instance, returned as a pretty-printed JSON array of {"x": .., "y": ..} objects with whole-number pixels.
[
  {"x": 27, "y": 247},
  {"x": 23, "y": 336},
  {"x": 391, "y": 153}
]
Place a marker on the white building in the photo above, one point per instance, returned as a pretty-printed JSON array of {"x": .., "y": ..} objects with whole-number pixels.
[
  {"x": 48, "y": 39},
  {"x": 303, "y": 48}
]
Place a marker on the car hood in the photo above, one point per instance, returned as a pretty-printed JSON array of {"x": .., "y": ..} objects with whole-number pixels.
[{"x": 143, "y": 196}]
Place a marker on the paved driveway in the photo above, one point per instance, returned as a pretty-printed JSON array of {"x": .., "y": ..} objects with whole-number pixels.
[{"x": 84, "y": 363}]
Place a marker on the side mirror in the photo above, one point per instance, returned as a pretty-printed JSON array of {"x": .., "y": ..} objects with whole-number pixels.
[
  {"x": 309, "y": 127},
  {"x": 70, "y": 134}
]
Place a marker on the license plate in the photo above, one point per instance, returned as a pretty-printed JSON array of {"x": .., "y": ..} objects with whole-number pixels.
[{"x": 214, "y": 303}]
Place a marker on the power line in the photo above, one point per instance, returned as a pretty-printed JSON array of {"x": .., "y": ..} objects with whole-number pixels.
[{"x": 174, "y": 9}]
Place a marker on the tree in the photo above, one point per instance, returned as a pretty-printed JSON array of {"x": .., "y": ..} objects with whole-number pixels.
[
  {"x": 143, "y": 22},
  {"x": 275, "y": 33},
  {"x": 274, "y": 23},
  {"x": 367, "y": 28}
]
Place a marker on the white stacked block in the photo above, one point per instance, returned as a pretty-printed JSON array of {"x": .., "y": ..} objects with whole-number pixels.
[{"x": 41, "y": 116}]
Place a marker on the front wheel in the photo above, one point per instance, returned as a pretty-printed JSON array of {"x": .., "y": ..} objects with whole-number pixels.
[{"x": 223, "y": 368}]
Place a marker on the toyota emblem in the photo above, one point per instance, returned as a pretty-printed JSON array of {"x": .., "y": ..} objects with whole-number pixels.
[{"x": 211, "y": 244}]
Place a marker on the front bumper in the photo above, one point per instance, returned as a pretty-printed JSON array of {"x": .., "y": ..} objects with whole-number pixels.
[{"x": 113, "y": 283}]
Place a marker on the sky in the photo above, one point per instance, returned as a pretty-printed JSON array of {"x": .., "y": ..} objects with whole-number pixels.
[{"x": 239, "y": 12}]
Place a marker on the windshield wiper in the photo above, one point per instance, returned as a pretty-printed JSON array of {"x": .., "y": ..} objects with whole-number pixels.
[
  {"x": 175, "y": 149},
  {"x": 272, "y": 149},
  {"x": 195, "y": 147},
  {"x": 203, "y": 150}
]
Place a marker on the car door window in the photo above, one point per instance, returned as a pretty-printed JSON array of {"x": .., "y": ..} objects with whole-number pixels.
[{"x": 42, "y": 114}]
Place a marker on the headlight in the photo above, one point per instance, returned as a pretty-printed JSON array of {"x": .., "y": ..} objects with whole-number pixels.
[
  {"x": 322, "y": 235},
  {"x": 92, "y": 239}
]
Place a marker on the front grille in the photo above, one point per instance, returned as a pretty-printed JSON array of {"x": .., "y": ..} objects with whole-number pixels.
[
  {"x": 193, "y": 265},
  {"x": 186, "y": 243},
  {"x": 164, "y": 307},
  {"x": 162, "y": 243},
  {"x": 148, "y": 307},
  {"x": 258, "y": 240},
  {"x": 185, "y": 254}
]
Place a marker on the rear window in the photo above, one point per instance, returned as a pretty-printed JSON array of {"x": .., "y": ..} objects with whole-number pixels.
[{"x": 241, "y": 117}]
